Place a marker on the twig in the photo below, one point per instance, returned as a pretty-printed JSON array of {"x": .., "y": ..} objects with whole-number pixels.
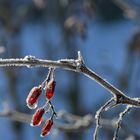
[
  {"x": 52, "y": 108},
  {"x": 80, "y": 123},
  {"x": 121, "y": 115},
  {"x": 105, "y": 107},
  {"x": 49, "y": 75},
  {"x": 72, "y": 126},
  {"x": 128, "y": 9}
]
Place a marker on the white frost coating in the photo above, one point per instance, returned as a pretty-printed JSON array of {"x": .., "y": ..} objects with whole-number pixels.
[
  {"x": 44, "y": 135},
  {"x": 31, "y": 124},
  {"x": 33, "y": 106},
  {"x": 29, "y": 57},
  {"x": 66, "y": 60}
]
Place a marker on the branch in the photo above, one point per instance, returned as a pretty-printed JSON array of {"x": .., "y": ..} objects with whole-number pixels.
[
  {"x": 105, "y": 107},
  {"x": 129, "y": 10},
  {"x": 75, "y": 123},
  {"x": 121, "y": 115},
  {"x": 76, "y": 65},
  {"x": 78, "y": 123},
  {"x": 72, "y": 120}
]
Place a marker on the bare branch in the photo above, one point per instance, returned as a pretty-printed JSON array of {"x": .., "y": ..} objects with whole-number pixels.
[
  {"x": 80, "y": 123},
  {"x": 72, "y": 126},
  {"x": 75, "y": 123},
  {"x": 105, "y": 107},
  {"x": 121, "y": 115},
  {"x": 76, "y": 65},
  {"x": 128, "y": 9}
]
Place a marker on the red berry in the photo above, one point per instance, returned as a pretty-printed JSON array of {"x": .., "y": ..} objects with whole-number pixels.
[
  {"x": 37, "y": 117},
  {"x": 32, "y": 99},
  {"x": 46, "y": 128},
  {"x": 50, "y": 89}
]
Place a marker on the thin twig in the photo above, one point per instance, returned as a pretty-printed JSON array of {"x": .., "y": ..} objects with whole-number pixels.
[
  {"x": 105, "y": 107},
  {"x": 121, "y": 115},
  {"x": 52, "y": 107},
  {"x": 49, "y": 75},
  {"x": 72, "y": 126},
  {"x": 129, "y": 10}
]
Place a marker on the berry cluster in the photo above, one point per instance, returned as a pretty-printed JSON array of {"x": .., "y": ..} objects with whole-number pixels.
[{"x": 32, "y": 101}]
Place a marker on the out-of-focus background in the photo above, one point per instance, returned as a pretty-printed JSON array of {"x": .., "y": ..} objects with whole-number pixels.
[{"x": 105, "y": 31}]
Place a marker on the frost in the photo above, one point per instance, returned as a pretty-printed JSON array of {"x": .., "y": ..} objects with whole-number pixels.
[
  {"x": 29, "y": 57},
  {"x": 32, "y": 106}
]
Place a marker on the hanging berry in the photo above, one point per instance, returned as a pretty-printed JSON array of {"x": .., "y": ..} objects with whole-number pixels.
[
  {"x": 47, "y": 127},
  {"x": 50, "y": 89},
  {"x": 32, "y": 99},
  {"x": 37, "y": 117}
]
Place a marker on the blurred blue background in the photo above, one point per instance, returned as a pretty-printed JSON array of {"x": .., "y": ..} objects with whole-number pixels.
[{"x": 108, "y": 36}]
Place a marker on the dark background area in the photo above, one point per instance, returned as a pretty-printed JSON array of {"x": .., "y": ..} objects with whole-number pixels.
[{"x": 107, "y": 34}]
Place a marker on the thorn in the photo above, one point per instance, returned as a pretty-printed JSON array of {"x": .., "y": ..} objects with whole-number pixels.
[
  {"x": 79, "y": 62},
  {"x": 80, "y": 58}
]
